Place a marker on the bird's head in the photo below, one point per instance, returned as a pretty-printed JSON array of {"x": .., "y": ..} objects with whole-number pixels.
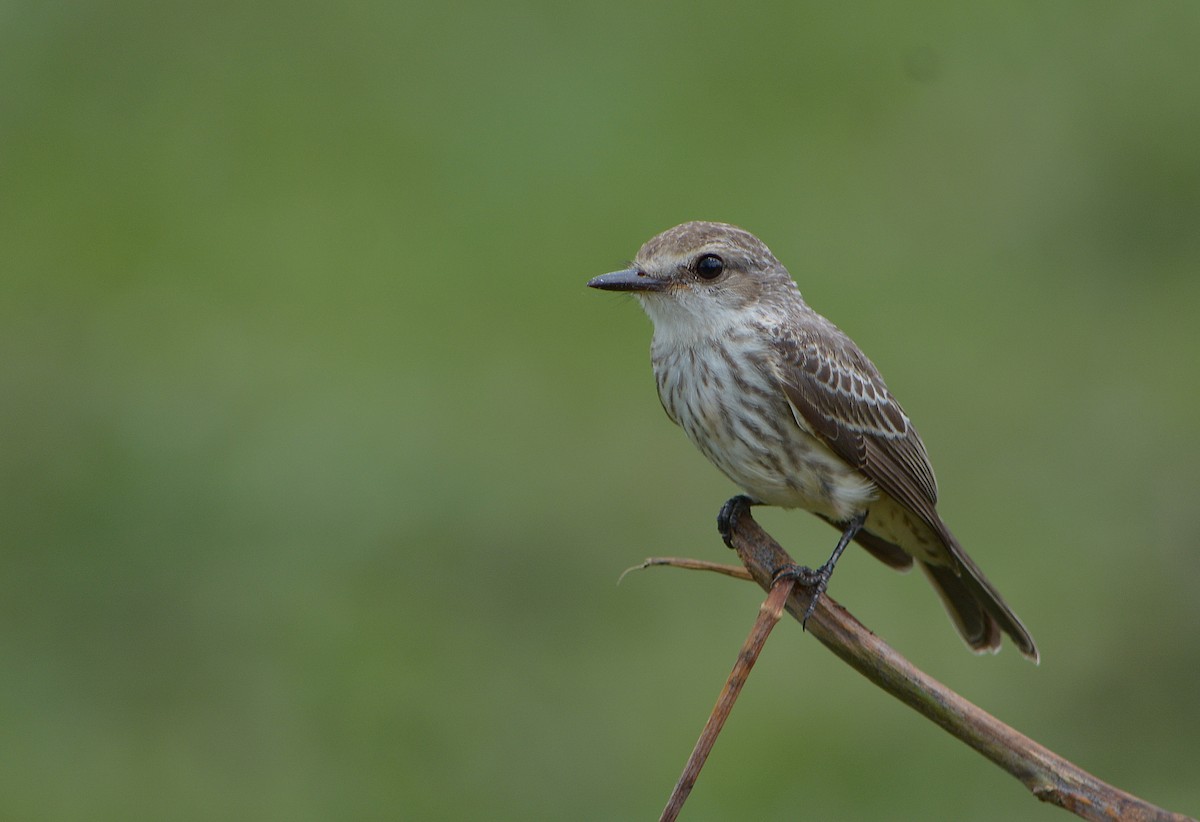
[{"x": 702, "y": 275}]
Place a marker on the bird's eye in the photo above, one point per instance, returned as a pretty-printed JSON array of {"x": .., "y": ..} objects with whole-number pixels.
[{"x": 709, "y": 266}]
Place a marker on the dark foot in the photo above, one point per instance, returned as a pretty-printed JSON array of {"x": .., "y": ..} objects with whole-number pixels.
[
  {"x": 815, "y": 579},
  {"x": 818, "y": 580},
  {"x": 808, "y": 577},
  {"x": 730, "y": 511}
]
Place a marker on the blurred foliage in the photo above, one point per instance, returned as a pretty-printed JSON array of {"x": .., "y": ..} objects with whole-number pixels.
[{"x": 320, "y": 463}]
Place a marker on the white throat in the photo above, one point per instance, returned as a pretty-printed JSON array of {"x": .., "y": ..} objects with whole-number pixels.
[{"x": 686, "y": 322}]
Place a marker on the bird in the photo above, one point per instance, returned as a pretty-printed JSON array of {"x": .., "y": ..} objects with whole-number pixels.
[{"x": 789, "y": 408}]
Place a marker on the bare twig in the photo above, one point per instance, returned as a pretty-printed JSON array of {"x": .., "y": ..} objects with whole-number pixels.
[
  {"x": 768, "y": 616},
  {"x": 1046, "y": 774},
  {"x": 692, "y": 564}
]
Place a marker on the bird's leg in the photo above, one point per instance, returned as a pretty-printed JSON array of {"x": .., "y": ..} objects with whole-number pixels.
[
  {"x": 733, "y": 508},
  {"x": 819, "y": 579}
]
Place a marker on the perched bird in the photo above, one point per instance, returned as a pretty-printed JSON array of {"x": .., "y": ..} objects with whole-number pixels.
[{"x": 790, "y": 409}]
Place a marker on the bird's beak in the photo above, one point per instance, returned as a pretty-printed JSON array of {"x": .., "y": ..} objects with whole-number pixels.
[{"x": 631, "y": 279}]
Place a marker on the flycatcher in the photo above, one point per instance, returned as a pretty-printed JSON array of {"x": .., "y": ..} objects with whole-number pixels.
[{"x": 789, "y": 408}]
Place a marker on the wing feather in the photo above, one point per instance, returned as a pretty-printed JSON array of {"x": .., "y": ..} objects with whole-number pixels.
[{"x": 839, "y": 394}]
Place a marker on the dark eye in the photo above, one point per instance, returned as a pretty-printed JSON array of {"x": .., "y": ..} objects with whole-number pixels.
[{"x": 709, "y": 266}]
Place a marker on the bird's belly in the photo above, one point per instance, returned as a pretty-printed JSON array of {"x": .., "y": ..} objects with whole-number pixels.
[
  {"x": 745, "y": 427},
  {"x": 810, "y": 478}
]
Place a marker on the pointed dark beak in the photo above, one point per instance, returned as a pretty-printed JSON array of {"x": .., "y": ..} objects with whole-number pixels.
[{"x": 631, "y": 279}]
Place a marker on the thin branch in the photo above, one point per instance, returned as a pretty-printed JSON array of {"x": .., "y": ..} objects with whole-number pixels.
[
  {"x": 1047, "y": 775},
  {"x": 768, "y": 616},
  {"x": 692, "y": 564}
]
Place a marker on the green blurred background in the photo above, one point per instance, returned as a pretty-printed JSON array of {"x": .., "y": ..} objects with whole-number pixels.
[{"x": 319, "y": 462}]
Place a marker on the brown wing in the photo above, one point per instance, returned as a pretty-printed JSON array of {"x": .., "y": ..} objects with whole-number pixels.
[{"x": 838, "y": 393}]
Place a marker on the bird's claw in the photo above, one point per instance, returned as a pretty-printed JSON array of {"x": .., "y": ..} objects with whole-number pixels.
[
  {"x": 727, "y": 519},
  {"x": 815, "y": 579}
]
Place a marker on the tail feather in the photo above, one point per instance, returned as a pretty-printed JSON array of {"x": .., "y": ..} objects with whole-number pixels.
[
  {"x": 974, "y": 605},
  {"x": 977, "y": 627},
  {"x": 978, "y": 610}
]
